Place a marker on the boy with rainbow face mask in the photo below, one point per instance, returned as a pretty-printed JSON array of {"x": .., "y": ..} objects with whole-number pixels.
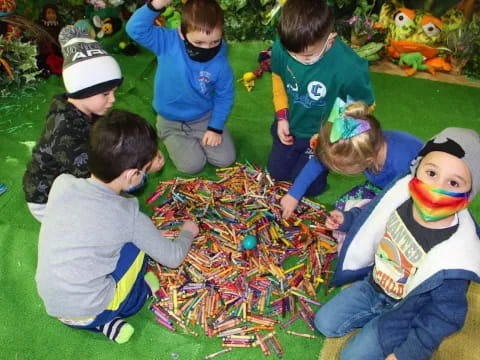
[{"x": 414, "y": 250}]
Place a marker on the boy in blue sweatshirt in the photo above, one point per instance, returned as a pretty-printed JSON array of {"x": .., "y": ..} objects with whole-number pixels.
[
  {"x": 414, "y": 250},
  {"x": 193, "y": 90}
]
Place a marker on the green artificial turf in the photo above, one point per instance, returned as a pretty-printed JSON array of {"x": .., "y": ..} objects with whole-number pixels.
[{"x": 420, "y": 107}]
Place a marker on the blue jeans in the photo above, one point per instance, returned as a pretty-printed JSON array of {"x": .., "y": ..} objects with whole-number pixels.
[{"x": 358, "y": 306}]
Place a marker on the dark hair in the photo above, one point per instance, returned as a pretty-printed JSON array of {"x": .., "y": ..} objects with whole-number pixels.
[
  {"x": 202, "y": 15},
  {"x": 303, "y": 23},
  {"x": 120, "y": 140}
]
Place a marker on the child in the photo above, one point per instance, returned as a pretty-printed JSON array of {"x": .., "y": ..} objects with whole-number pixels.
[
  {"x": 94, "y": 240},
  {"x": 351, "y": 142},
  {"x": 91, "y": 77},
  {"x": 311, "y": 67},
  {"x": 193, "y": 92},
  {"x": 420, "y": 247}
]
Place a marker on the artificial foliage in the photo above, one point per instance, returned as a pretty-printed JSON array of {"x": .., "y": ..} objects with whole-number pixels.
[
  {"x": 472, "y": 68},
  {"x": 257, "y": 19},
  {"x": 248, "y": 19},
  {"x": 463, "y": 45},
  {"x": 21, "y": 60},
  {"x": 71, "y": 12},
  {"x": 464, "y": 41}
]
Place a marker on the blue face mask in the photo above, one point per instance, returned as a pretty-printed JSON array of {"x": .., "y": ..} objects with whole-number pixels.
[{"x": 139, "y": 185}]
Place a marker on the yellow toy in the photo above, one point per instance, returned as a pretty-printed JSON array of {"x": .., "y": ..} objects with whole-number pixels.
[{"x": 248, "y": 80}]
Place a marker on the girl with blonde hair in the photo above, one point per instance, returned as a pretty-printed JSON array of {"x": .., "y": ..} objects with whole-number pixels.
[{"x": 352, "y": 142}]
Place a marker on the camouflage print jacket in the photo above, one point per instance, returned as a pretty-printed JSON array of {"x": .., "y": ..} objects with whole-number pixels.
[{"x": 62, "y": 148}]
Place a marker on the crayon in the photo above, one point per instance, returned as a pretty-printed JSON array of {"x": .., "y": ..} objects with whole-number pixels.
[
  {"x": 310, "y": 336},
  {"x": 211, "y": 356}
]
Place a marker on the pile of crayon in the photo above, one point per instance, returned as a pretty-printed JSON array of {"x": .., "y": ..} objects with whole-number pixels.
[{"x": 241, "y": 296}]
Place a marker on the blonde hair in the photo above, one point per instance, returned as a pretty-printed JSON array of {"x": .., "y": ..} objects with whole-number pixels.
[{"x": 358, "y": 151}]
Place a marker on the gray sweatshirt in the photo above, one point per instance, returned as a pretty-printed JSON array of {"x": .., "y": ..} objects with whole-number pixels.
[{"x": 86, "y": 225}]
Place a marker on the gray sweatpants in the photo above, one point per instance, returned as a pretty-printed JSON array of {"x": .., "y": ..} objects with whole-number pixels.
[{"x": 183, "y": 141}]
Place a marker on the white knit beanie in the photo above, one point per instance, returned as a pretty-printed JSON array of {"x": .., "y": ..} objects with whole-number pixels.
[{"x": 87, "y": 69}]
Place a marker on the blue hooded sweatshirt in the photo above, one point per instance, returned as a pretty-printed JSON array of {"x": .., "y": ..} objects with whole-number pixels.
[{"x": 184, "y": 90}]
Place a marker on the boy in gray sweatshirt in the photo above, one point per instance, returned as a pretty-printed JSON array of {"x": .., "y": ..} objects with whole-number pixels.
[{"x": 94, "y": 240}]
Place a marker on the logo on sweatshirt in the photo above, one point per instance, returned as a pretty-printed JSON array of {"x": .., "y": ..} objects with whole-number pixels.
[
  {"x": 204, "y": 80},
  {"x": 316, "y": 90}
]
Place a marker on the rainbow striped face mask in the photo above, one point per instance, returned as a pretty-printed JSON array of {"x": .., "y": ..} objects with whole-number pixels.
[{"x": 434, "y": 203}]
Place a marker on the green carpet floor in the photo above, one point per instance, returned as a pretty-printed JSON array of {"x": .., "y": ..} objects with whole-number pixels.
[{"x": 420, "y": 107}]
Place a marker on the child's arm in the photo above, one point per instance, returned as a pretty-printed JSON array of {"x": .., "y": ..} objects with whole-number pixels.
[
  {"x": 280, "y": 98},
  {"x": 159, "y": 4},
  {"x": 222, "y": 101},
  {"x": 280, "y": 103},
  {"x": 169, "y": 253},
  {"x": 312, "y": 169},
  {"x": 442, "y": 316},
  {"x": 309, "y": 173},
  {"x": 140, "y": 27}
]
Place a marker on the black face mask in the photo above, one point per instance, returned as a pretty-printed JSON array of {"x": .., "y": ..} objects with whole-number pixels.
[{"x": 200, "y": 54}]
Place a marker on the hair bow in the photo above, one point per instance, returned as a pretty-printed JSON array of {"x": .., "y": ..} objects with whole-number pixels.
[{"x": 345, "y": 127}]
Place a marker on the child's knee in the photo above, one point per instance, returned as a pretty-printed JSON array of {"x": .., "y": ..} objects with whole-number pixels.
[
  {"x": 225, "y": 160},
  {"x": 223, "y": 164},
  {"x": 325, "y": 323},
  {"x": 189, "y": 159},
  {"x": 191, "y": 167},
  {"x": 278, "y": 172}
]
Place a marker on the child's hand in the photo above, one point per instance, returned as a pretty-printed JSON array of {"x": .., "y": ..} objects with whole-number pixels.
[
  {"x": 211, "y": 138},
  {"x": 157, "y": 162},
  {"x": 189, "y": 225},
  {"x": 314, "y": 141},
  {"x": 283, "y": 132},
  {"x": 391, "y": 357},
  {"x": 159, "y": 4},
  {"x": 334, "y": 220},
  {"x": 289, "y": 204}
]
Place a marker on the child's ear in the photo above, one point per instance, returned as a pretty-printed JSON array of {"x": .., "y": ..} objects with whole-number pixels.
[
  {"x": 370, "y": 162},
  {"x": 127, "y": 176},
  {"x": 180, "y": 33}
]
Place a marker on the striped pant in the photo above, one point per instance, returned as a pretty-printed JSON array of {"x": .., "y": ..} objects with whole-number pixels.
[{"x": 130, "y": 294}]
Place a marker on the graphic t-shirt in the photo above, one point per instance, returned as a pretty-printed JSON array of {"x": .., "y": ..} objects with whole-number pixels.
[{"x": 402, "y": 250}]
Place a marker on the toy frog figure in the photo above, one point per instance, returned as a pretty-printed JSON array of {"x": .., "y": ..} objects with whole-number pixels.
[{"x": 419, "y": 31}]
